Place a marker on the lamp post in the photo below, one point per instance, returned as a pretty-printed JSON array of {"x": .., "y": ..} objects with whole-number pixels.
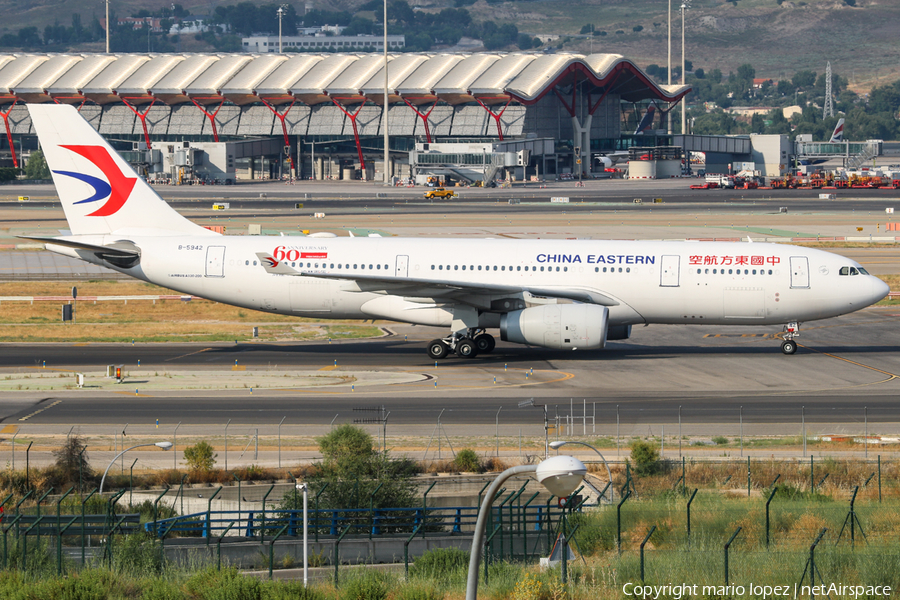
[
  {"x": 303, "y": 487},
  {"x": 559, "y": 443},
  {"x": 683, "y": 101},
  {"x": 163, "y": 445},
  {"x": 384, "y": 177},
  {"x": 280, "y": 14},
  {"x": 560, "y": 475},
  {"x": 669, "y": 67},
  {"x": 107, "y": 26}
]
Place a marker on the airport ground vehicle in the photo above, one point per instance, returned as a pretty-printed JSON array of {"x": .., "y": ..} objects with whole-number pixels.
[{"x": 440, "y": 193}]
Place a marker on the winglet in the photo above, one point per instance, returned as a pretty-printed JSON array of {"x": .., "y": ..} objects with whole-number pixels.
[{"x": 273, "y": 266}]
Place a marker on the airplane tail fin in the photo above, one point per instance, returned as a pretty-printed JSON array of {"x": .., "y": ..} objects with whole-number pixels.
[
  {"x": 277, "y": 267},
  {"x": 838, "y": 134},
  {"x": 647, "y": 121},
  {"x": 99, "y": 191}
]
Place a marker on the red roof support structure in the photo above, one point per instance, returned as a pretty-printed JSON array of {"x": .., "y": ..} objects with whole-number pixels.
[
  {"x": 352, "y": 118},
  {"x": 423, "y": 117},
  {"x": 57, "y": 99},
  {"x": 496, "y": 116},
  {"x": 141, "y": 115},
  {"x": 12, "y": 147},
  {"x": 282, "y": 117},
  {"x": 211, "y": 117}
]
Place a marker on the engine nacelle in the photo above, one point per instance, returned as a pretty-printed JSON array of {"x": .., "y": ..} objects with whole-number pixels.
[
  {"x": 563, "y": 326},
  {"x": 618, "y": 332}
]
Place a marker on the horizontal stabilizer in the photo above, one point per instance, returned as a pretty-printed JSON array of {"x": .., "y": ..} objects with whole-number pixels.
[{"x": 117, "y": 249}]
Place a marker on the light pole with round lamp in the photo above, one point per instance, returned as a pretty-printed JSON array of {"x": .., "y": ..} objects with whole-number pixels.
[
  {"x": 163, "y": 445},
  {"x": 559, "y": 443},
  {"x": 560, "y": 475}
]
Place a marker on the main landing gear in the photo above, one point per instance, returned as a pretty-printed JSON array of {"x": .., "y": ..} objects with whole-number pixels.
[
  {"x": 468, "y": 345},
  {"x": 791, "y": 330}
]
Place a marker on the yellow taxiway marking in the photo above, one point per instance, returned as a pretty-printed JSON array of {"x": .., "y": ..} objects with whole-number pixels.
[
  {"x": 52, "y": 369},
  {"x": 130, "y": 394},
  {"x": 329, "y": 368},
  {"x": 239, "y": 367},
  {"x": 891, "y": 376},
  {"x": 37, "y": 412},
  {"x": 10, "y": 429}
]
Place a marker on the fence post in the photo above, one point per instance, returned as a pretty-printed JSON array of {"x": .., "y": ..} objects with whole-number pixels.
[
  {"x": 337, "y": 554},
  {"x": 262, "y": 525},
  {"x": 748, "y": 476},
  {"x": 156, "y": 511},
  {"x": 219, "y": 546},
  {"x": 524, "y": 520},
  {"x": 619, "y": 520},
  {"x": 691, "y": 499},
  {"x": 728, "y": 545},
  {"x": 37, "y": 524},
  {"x": 209, "y": 514},
  {"x": 646, "y": 539},
  {"x": 324, "y": 487},
  {"x": 83, "y": 502},
  {"x": 372, "y": 511},
  {"x": 879, "y": 478},
  {"x": 60, "y": 532},
  {"x": 41, "y": 499},
  {"x": 272, "y": 548},
  {"x": 406, "y": 550},
  {"x": 811, "y": 563},
  {"x": 772, "y": 495}
]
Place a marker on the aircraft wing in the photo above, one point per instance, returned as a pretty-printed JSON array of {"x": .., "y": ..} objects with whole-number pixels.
[{"x": 430, "y": 288}]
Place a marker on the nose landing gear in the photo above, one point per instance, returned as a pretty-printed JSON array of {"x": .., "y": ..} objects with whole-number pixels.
[{"x": 791, "y": 330}]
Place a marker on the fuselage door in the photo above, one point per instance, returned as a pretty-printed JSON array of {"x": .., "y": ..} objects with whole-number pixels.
[
  {"x": 402, "y": 269},
  {"x": 799, "y": 272},
  {"x": 215, "y": 261},
  {"x": 668, "y": 273}
]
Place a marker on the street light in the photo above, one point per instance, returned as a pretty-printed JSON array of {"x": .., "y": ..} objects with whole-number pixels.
[
  {"x": 281, "y": 12},
  {"x": 163, "y": 445},
  {"x": 303, "y": 487},
  {"x": 683, "y": 101},
  {"x": 559, "y": 443},
  {"x": 560, "y": 475}
]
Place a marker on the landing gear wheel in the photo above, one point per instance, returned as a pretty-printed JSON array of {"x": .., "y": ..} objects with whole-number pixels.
[
  {"x": 437, "y": 349},
  {"x": 485, "y": 343},
  {"x": 789, "y": 346},
  {"x": 466, "y": 349}
]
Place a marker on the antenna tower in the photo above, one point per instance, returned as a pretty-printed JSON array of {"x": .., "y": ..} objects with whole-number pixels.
[{"x": 829, "y": 105}]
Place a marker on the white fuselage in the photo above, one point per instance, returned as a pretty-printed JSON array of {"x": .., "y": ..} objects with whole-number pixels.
[{"x": 648, "y": 281}]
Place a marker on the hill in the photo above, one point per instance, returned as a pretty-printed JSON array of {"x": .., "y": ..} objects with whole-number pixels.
[{"x": 778, "y": 37}]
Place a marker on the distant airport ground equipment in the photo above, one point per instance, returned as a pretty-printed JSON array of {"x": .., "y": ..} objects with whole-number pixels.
[{"x": 440, "y": 193}]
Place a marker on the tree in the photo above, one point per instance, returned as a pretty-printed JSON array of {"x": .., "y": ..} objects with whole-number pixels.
[
  {"x": 200, "y": 456},
  {"x": 71, "y": 463},
  {"x": 37, "y": 166},
  {"x": 645, "y": 457},
  {"x": 352, "y": 469}
]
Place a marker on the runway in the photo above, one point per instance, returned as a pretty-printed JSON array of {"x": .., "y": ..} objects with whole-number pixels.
[{"x": 709, "y": 374}]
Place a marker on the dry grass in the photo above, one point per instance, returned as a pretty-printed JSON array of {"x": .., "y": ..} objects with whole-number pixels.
[{"x": 151, "y": 321}]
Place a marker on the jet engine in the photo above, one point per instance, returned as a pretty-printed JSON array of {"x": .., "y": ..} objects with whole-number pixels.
[{"x": 562, "y": 326}]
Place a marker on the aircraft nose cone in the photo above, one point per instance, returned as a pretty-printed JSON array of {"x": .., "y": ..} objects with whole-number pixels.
[{"x": 879, "y": 289}]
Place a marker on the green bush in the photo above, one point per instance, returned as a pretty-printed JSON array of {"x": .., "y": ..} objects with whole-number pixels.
[
  {"x": 137, "y": 554},
  {"x": 200, "y": 456},
  {"x": 645, "y": 457},
  {"x": 440, "y": 563},
  {"x": 417, "y": 591},
  {"x": 467, "y": 460},
  {"x": 720, "y": 440}
]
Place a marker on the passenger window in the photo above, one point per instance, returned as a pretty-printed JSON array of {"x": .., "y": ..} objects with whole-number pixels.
[
  {"x": 714, "y": 271},
  {"x": 254, "y": 263},
  {"x": 518, "y": 268},
  {"x": 246, "y": 262},
  {"x": 542, "y": 269},
  {"x": 596, "y": 269},
  {"x": 332, "y": 266},
  {"x": 456, "y": 267},
  {"x": 339, "y": 265},
  {"x": 432, "y": 267},
  {"x": 628, "y": 269},
  {"x": 495, "y": 267},
  {"x": 754, "y": 271},
  {"x": 770, "y": 271},
  {"x": 729, "y": 271},
  {"x": 441, "y": 267},
  {"x": 464, "y": 267},
  {"x": 565, "y": 268},
  {"x": 503, "y": 268},
  {"x": 479, "y": 267}
]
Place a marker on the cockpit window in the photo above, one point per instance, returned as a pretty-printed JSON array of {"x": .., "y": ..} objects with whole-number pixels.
[
  {"x": 853, "y": 271},
  {"x": 845, "y": 271},
  {"x": 863, "y": 271}
]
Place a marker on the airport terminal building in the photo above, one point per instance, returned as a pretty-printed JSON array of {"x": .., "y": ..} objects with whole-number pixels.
[{"x": 184, "y": 117}]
